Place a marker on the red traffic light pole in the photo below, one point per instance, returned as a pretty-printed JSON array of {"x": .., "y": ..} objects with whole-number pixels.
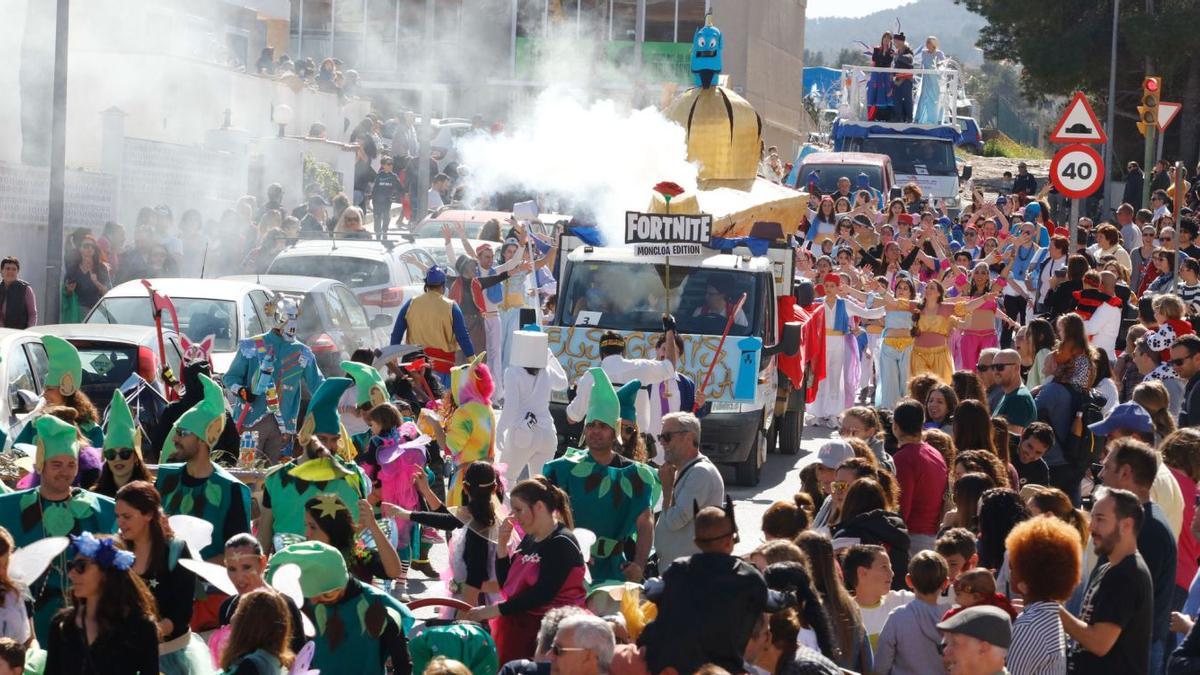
[{"x": 1151, "y": 93}]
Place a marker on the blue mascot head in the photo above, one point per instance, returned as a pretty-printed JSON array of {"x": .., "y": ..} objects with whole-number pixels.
[{"x": 706, "y": 53}]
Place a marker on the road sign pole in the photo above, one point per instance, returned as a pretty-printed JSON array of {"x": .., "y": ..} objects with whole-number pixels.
[
  {"x": 1176, "y": 207},
  {"x": 1074, "y": 247}
]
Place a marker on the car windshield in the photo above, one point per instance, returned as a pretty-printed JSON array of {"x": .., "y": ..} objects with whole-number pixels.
[
  {"x": 918, "y": 156},
  {"x": 629, "y": 296},
  {"x": 198, "y": 317},
  {"x": 433, "y": 228},
  {"x": 828, "y": 175},
  {"x": 354, "y": 272}
]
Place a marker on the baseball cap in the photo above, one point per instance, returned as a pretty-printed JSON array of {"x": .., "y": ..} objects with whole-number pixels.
[
  {"x": 1125, "y": 416},
  {"x": 435, "y": 276},
  {"x": 833, "y": 453},
  {"x": 982, "y": 622}
]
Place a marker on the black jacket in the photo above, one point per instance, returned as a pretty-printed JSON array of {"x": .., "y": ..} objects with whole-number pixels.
[
  {"x": 1189, "y": 413},
  {"x": 1132, "y": 194},
  {"x": 882, "y": 528},
  {"x": 707, "y": 609}
]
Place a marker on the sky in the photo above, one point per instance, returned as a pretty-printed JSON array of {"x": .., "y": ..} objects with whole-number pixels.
[{"x": 822, "y": 8}]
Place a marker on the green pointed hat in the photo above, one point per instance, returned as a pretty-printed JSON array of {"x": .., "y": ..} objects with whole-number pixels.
[
  {"x": 627, "y": 395},
  {"x": 368, "y": 381},
  {"x": 54, "y": 438},
  {"x": 603, "y": 404},
  {"x": 322, "y": 568},
  {"x": 322, "y": 417},
  {"x": 65, "y": 369},
  {"x": 122, "y": 432},
  {"x": 206, "y": 419}
]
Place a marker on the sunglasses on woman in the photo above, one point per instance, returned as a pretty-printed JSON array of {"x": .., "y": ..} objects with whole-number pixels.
[
  {"x": 79, "y": 565},
  {"x": 112, "y": 453}
]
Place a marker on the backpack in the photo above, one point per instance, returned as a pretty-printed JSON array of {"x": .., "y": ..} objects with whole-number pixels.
[{"x": 1081, "y": 451}]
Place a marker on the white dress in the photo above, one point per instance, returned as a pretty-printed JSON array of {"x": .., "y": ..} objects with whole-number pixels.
[{"x": 525, "y": 429}]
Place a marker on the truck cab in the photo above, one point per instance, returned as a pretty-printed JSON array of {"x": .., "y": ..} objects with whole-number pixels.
[
  {"x": 613, "y": 288},
  {"x": 830, "y": 166}
]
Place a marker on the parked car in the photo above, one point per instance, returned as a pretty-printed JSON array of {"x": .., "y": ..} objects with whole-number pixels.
[
  {"x": 23, "y": 366},
  {"x": 382, "y": 274},
  {"x": 333, "y": 323},
  {"x": 230, "y": 311},
  {"x": 111, "y": 353}
]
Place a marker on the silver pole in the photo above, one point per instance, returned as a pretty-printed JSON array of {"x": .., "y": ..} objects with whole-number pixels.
[
  {"x": 610, "y": 20},
  {"x": 1112, "y": 104},
  {"x": 332, "y": 25},
  {"x": 300, "y": 34},
  {"x": 639, "y": 35},
  {"x": 1074, "y": 226},
  {"x": 421, "y": 205},
  {"x": 51, "y": 305},
  {"x": 512, "y": 60},
  {"x": 675, "y": 32},
  {"x": 397, "y": 46},
  {"x": 578, "y": 16},
  {"x": 362, "y": 47},
  {"x": 1175, "y": 208},
  {"x": 545, "y": 17}
]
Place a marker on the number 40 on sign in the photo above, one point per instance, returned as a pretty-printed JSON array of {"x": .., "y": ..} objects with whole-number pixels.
[{"x": 1077, "y": 171}]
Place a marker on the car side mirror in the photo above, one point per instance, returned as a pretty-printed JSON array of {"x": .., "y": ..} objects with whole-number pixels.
[
  {"x": 966, "y": 173},
  {"x": 789, "y": 341},
  {"x": 381, "y": 321},
  {"x": 24, "y": 401}
]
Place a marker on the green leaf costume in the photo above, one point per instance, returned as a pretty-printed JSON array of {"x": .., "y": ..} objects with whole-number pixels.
[
  {"x": 285, "y": 493},
  {"x": 220, "y": 499}
]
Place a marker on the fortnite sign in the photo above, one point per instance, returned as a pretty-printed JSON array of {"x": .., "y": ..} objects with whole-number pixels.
[{"x": 658, "y": 228}]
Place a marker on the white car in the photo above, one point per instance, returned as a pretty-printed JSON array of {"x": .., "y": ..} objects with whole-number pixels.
[
  {"x": 23, "y": 367},
  {"x": 382, "y": 274},
  {"x": 436, "y": 247},
  {"x": 230, "y": 311}
]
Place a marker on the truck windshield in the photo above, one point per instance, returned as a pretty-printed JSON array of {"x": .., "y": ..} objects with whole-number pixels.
[
  {"x": 828, "y": 175},
  {"x": 629, "y": 297},
  {"x": 920, "y": 156}
]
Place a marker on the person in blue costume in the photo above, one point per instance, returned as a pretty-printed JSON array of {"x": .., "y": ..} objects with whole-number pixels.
[
  {"x": 706, "y": 62},
  {"x": 359, "y": 628},
  {"x": 64, "y": 377},
  {"x": 197, "y": 487},
  {"x": 266, "y": 377},
  {"x": 325, "y": 465},
  {"x": 610, "y": 495},
  {"x": 929, "y": 57},
  {"x": 54, "y": 509},
  {"x": 879, "y": 85}
]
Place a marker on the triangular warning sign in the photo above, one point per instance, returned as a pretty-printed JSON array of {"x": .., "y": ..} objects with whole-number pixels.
[
  {"x": 1078, "y": 124},
  {"x": 1167, "y": 113}
]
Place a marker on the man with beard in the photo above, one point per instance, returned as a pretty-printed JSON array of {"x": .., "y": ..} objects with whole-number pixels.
[
  {"x": 196, "y": 362},
  {"x": 54, "y": 509},
  {"x": 319, "y": 469},
  {"x": 265, "y": 377},
  {"x": 197, "y": 487},
  {"x": 1112, "y": 633}
]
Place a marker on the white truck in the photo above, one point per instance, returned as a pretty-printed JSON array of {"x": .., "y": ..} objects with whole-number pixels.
[{"x": 613, "y": 288}]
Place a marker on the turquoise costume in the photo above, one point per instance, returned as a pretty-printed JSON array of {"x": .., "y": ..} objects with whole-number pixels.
[
  {"x": 220, "y": 499},
  {"x": 285, "y": 493},
  {"x": 287, "y": 363}
]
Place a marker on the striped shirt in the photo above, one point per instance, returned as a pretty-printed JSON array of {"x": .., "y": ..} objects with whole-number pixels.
[
  {"x": 1039, "y": 645},
  {"x": 1191, "y": 296}
]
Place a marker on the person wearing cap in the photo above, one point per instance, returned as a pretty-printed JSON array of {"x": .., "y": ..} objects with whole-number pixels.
[
  {"x": 619, "y": 369},
  {"x": 1132, "y": 465},
  {"x": 319, "y": 469},
  {"x": 54, "y": 509},
  {"x": 708, "y": 603},
  {"x": 525, "y": 431},
  {"x": 842, "y": 359},
  {"x": 436, "y": 323},
  {"x": 359, "y": 628},
  {"x": 976, "y": 640},
  {"x": 122, "y": 450},
  {"x": 197, "y": 487},
  {"x": 1130, "y": 420},
  {"x": 1112, "y": 633},
  {"x": 610, "y": 495},
  {"x": 316, "y": 220},
  {"x": 1024, "y": 182},
  {"x": 830, "y": 456},
  {"x": 266, "y": 377},
  {"x": 63, "y": 382}
]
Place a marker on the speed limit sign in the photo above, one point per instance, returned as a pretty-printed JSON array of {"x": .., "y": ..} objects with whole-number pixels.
[{"x": 1077, "y": 171}]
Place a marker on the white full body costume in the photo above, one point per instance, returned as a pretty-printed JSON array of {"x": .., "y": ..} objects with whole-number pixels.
[{"x": 526, "y": 430}]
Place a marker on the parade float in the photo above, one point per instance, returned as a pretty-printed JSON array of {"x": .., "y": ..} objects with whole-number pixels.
[{"x": 717, "y": 260}]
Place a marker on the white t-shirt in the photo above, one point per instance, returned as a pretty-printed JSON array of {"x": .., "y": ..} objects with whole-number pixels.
[{"x": 874, "y": 617}]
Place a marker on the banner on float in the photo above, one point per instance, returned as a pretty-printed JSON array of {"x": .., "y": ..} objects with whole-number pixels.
[{"x": 656, "y": 233}]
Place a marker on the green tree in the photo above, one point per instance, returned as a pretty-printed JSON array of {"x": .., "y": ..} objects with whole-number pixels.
[{"x": 1063, "y": 47}]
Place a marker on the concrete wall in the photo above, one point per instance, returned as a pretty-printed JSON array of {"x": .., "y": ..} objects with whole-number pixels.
[{"x": 764, "y": 58}]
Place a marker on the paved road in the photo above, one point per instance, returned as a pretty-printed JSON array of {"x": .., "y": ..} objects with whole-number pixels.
[{"x": 780, "y": 480}]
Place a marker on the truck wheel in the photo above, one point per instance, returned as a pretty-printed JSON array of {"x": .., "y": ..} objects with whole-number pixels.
[
  {"x": 746, "y": 474},
  {"x": 789, "y": 430}
]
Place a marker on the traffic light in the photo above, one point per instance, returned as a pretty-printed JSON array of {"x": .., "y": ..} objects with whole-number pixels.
[{"x": 1148, "y": 110}]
